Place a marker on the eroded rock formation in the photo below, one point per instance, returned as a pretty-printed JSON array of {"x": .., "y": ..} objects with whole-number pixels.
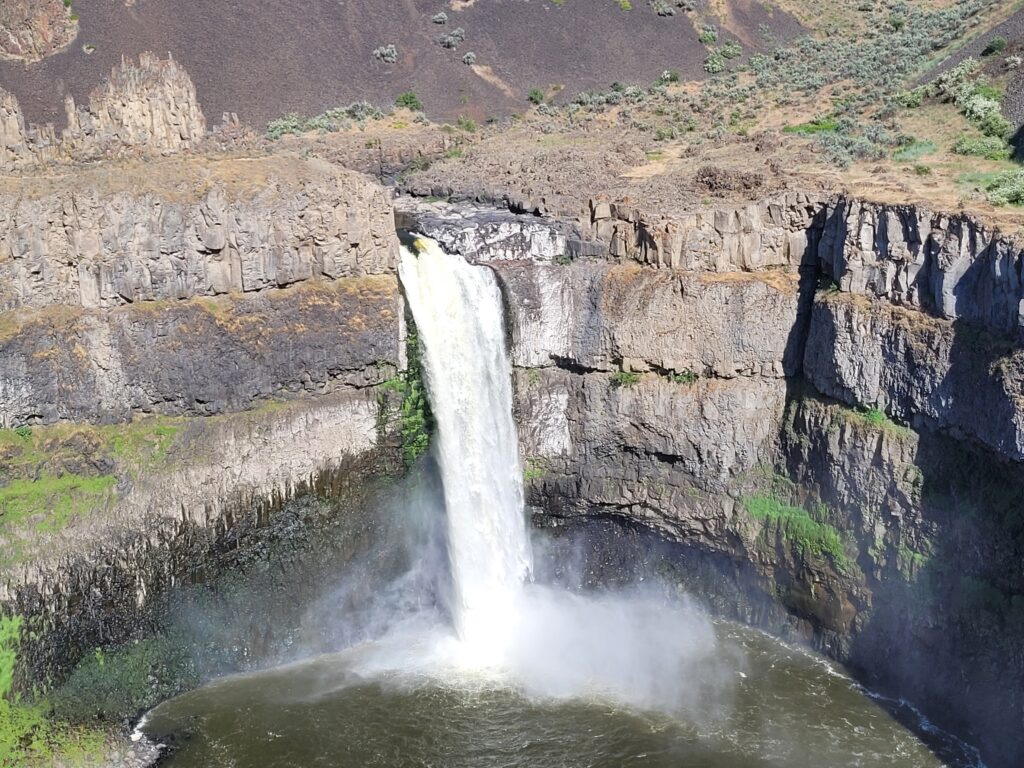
[{"x": 150, "y": 107}]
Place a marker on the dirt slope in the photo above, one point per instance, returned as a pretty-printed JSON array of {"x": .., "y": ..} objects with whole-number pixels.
[{"x": 264, "y": 58}]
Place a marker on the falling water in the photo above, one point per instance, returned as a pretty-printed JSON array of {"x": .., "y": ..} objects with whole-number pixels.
[
  {"x": 457, "y": 308},
  {"x": 533, "y": 665}
]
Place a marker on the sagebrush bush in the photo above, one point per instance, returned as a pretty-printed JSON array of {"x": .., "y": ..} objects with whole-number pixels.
[
  {"x": 714, "y": 63},
  {"x": 708, "y": 35},
  {"x": 386, "y": 53},
  {"x": 1007, "y": 188},
  {"x": 989, "y": 147},
  {"x": 995, "y": 45}
]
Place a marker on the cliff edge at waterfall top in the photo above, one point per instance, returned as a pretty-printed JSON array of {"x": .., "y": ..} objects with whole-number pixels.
[{"x": 511, "y": 382}]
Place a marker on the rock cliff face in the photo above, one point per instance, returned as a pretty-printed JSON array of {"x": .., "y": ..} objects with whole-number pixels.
[
  {"x": 147, "y": 108},
  {"x": 817, "y": 400},
  {"x": 32, "y": 29},
  {"x": 100, "y": 247},
  {"x": 182, "y": 361}
]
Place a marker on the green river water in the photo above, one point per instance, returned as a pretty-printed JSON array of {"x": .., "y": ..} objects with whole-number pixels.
[{"x": 784, "y": 708}]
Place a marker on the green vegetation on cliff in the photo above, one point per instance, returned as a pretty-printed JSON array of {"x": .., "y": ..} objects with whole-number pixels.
[
  {"x": 111, "y": 687},
  {"x": 416, "y": 420},
  {"x": 806, "y": 535},
  {"x": 51, "y": 475},
  {"x": 27, "y": 736}
]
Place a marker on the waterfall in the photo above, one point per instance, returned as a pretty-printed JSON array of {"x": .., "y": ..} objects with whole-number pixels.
[{"x": 458, "y": 313}]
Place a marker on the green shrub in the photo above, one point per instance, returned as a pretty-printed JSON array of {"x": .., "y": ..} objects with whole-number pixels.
[
  {"x": 995, "y": 45},
  {"x": 536, "y": 96},
  {"x": 465, "y": 124},
  {"x": 409, "y": 100},
  {"x": 732, "y": 50},
  {"x": 994, "y": 124},
  {"x": 624, "y": 379},
  {"x": 686, "y": 377},
  {"x": 913, "y": 98},
  {"x": 989, "y": 147},
  {"x": 416, "y": 423},
  {"x": 1007, "y": 188},
  {"x": 714, "y": 63},
  {"x": 708, "y": 35}
]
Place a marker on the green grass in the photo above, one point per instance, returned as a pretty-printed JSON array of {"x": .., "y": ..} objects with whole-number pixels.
[
  {"x": 57, "y": 473},
  {"x": 914, "y": 151},
  {"x": 50, "y": 502},
  {"x": 814, "y": 127},
  {"x": 624, "y": 379},
  {"x": 28, "y": 738},
  {"x": 875, "y": 418},
  {"x": 806, "y": 535},
  {"x": 533, "y": 469}
]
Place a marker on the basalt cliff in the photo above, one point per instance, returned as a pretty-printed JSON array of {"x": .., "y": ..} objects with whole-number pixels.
[{"x": 812, "y": 401}]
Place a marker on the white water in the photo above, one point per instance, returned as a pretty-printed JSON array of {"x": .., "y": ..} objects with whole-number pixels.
[
  {"x": 457, "y": 308},
  {"x": 630, "y": 646}
]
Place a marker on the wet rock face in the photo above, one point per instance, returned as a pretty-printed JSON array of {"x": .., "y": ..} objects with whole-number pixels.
[
  {"x": 692, "y": 367},
  {"x": 33, "y": 29},
  {"x": 145, "y": 108}
]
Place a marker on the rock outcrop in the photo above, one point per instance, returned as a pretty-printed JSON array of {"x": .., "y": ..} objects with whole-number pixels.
[
  {"x": 148, "y": 108},
  {"x": 33, "y": 29},
  {"x": 100, "y": 245},
  {"x": 948, "y": 265}
]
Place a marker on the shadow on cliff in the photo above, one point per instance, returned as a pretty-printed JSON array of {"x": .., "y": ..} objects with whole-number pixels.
[{"x": 947, "y": 629}]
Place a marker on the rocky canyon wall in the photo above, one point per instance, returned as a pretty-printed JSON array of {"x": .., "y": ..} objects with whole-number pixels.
[
  {"x": 817, "y": 399},
  {"x": 185, "y": 350}
]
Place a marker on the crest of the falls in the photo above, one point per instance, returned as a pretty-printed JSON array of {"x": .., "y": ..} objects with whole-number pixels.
[{"x": 458, "y": 313}]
